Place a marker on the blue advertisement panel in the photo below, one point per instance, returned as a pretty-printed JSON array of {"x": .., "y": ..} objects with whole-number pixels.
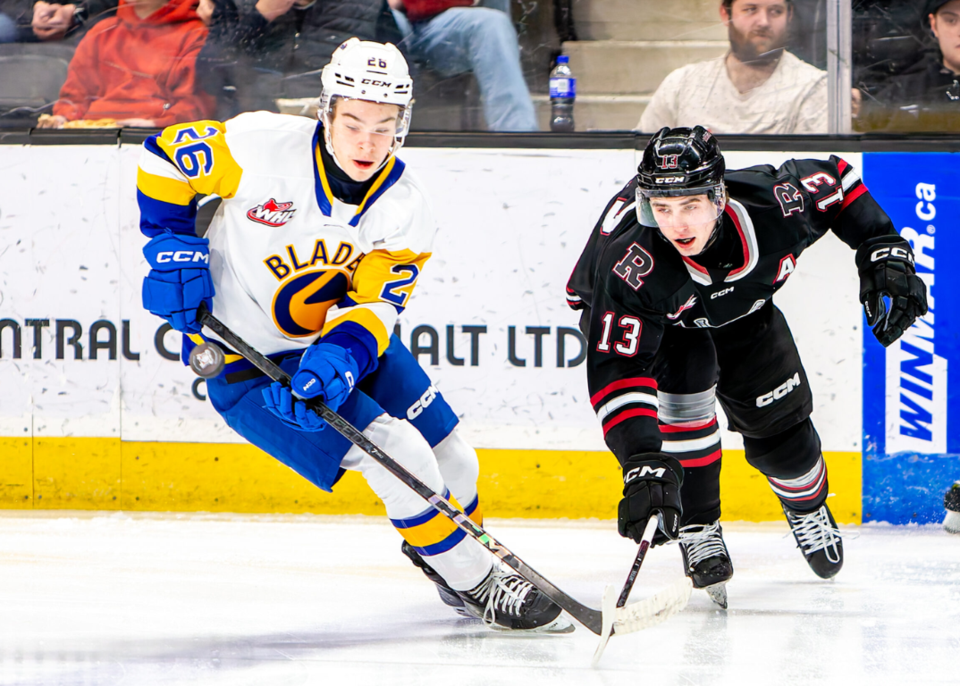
[{"x": 911, "y": 390}]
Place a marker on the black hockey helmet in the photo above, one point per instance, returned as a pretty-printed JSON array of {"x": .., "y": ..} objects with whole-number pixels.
[{"x": 679, "y": 162}]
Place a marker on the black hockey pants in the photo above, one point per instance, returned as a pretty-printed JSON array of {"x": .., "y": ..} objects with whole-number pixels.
[{"x": 753, "y": 368}]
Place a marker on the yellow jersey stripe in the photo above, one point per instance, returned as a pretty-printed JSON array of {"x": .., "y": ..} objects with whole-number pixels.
[
  {"x": 198, "y": 339},
  {"x": 364, "y": 316},
  {"x": 376, "y": 184},
  {"x": 164, "y": 189}
]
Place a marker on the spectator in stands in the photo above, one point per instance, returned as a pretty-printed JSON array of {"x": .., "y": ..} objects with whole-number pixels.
[
  {"x": 137, "y": 68},
  {"x": 53, "y": 21},
  {"x": 454, "y": 37},
  {"x": 927, "y": 96},
  {"x": 275, "y": 49},
  {"x": 8, "y": 27},
  {"x": 24, "y": 21},
  {"x": 757, "y": 87}
]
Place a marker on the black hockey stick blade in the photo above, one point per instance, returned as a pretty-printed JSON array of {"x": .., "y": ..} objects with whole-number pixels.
[{"x": 628, "y": 619}]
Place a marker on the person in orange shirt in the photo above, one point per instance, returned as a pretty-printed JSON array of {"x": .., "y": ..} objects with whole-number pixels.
[{"x": 138, "y": 68}]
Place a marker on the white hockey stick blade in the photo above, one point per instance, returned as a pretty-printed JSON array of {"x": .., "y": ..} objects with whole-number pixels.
[
  {"x": 653, "y": 610},
  {"x": 609, "y": 609}
]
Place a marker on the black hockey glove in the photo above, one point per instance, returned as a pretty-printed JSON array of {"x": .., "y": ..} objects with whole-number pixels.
[
  {"x": 651, "y": 484},
  {"x": 886, "y": 271}
]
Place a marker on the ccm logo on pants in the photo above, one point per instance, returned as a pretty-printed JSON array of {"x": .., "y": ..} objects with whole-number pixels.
[
  {"x": 423, "y": 403},
  {"x": 780, "y": 391}
]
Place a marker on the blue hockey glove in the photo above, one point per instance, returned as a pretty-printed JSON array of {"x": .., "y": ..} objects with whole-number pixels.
[
  {"x": 327, "y": 372},
  {"x": 294, "y": 413},
  {"x": 179, "y": 279}
]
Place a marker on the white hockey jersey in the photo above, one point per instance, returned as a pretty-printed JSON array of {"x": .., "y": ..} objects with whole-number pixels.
[{"x": 290, "y": 262}]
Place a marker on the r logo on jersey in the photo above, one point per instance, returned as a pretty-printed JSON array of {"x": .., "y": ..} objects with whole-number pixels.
[
  {"x": 636, "y": 263},
  {"x": 790, "y": 199},
  {"x": 788, "y": 265},
  {"x": 271, "y": 213}
]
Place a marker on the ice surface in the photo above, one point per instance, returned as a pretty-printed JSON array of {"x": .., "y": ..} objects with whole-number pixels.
[{"x": 234, "y": 600}]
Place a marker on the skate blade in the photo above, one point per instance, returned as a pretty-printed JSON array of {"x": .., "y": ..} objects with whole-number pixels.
[
  {"x": 561, "y": 625},
  {"x": 718, "y": 594}
]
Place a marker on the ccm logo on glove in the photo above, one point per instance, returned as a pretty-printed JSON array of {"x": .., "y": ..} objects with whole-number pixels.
[
  {"x": 640, "y": 472},
  {"x": 891, "y": 253},
  {"x": 182, "y": 256}
]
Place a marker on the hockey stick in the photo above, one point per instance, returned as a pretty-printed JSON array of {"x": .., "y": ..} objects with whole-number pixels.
[
  {"x": 649, "y": 531},
  {"x": 623, "y": 620}
]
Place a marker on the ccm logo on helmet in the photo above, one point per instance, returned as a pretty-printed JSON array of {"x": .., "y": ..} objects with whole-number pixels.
[
  {"x": 780, "y": 391},
  {"x": 895, "y": 253},
  {"x": 375, "y": 82},
  {"x": 423, "y": 403},
  {"x": 182, "y": 256},
  {"x": 645, "y": 470},
  {"x": 671, "y": 179}
]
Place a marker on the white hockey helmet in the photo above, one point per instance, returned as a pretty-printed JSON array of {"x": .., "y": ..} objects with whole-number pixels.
[{"x": 364, "y": 70}]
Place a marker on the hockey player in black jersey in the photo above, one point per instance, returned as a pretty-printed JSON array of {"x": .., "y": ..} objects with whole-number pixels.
[{"x": 675, "y": 286}]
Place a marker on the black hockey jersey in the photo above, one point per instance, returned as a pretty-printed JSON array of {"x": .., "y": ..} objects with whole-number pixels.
[{"x": 631, "y": 282}]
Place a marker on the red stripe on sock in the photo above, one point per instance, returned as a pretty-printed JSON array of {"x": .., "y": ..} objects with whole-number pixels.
[
  {"x": 673, "y": 429},
  {"x": 702, "y": 461},
  {"x": 622, "y": 383},
  {"x": 809, "y": 497},
  {"x": 623, "y": 416},
  {"x": 805, "y": 486}
]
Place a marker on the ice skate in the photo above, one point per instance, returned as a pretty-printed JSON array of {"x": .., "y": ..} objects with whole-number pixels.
[
  {"x": 505, "y": 600},
  {"x": 951, "y": 501},
  {"x": 706, "y": 560},
  {"x": 447, "y": 594},
  {"x": 819, "y": 540}
]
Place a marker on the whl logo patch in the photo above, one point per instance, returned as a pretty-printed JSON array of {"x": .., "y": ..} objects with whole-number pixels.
[{"x": 272, "y": 213}]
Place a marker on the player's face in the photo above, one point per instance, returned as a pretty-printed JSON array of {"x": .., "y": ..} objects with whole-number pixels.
[
  {"x": 361, "y": 134},
  {"x": 945, "y": 25},
  {"x": 685, "y": 221},
  {"x": 756, "y": 28}
]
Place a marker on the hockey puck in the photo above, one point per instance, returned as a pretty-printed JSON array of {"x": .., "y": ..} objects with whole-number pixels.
[{"x": 207, "y": 360}]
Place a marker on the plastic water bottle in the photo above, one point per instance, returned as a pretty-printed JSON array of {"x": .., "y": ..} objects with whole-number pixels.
[{"x": 563, "y": 91}]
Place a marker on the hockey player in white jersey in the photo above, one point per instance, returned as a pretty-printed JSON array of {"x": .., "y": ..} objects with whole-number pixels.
[{"x": 315, "y": 249}]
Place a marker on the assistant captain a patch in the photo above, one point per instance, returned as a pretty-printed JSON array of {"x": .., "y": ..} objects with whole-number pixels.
[{"x": 271, "y": 213}]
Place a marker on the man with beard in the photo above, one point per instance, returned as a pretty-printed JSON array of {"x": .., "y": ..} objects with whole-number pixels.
[{"x": 757, "y": 87}]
